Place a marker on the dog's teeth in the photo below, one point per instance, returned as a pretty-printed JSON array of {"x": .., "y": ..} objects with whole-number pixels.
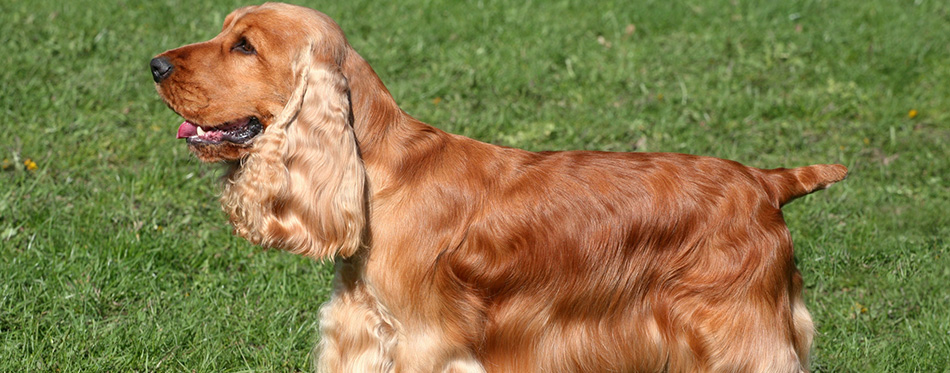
[{"x": 201, "y": 132}]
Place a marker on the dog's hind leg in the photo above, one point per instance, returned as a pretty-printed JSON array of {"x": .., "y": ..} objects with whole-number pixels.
[{"x": 803, "y": 331}]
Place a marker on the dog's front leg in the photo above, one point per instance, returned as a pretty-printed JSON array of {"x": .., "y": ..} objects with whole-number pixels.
[
  {"x": 357, "y": 337},
  {"x": 431, "y": 351},
  {"x": 354, "y": 336}
]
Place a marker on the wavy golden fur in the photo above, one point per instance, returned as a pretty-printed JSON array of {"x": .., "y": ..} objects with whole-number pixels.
[{"x": 454, "y": 255}]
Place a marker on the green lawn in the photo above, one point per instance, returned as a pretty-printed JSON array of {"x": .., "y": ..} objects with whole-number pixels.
[{"x": 114, "y": 255}]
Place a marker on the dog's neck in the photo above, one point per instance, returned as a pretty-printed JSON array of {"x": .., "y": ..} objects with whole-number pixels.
[
  {"x": 383, "y": 130},
  {"x": 375, "y": 111}
]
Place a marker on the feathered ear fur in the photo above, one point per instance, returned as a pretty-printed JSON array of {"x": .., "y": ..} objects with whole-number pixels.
[{"x": 303, "y": 186}]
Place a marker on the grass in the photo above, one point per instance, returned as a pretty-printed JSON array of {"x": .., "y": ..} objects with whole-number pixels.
[{"x": 114, "y": 255}]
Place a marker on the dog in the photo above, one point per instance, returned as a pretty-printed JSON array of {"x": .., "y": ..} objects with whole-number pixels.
[{"x": 453, "y": 255}]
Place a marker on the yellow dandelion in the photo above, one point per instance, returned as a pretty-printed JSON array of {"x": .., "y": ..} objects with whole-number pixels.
[
  {"x": 859, "y": 308},
  {"x": 867, "y": 141},
  {"x": 912, "y": 113},
  {"x": 437, "y": 100},
  {"x": 659, "y": 97},
  {"x": 5, "y": 164},
  {"x": 30, "y": 165}
]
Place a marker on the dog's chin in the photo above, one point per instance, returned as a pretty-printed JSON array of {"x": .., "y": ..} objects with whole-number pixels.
[{"x": 223, "y": 152}]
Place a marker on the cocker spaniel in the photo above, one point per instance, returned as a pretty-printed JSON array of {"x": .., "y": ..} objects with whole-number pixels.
[{"x": 453, "y": 255}]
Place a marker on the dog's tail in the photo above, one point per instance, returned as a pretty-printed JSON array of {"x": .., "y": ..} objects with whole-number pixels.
[{"x": 787, "y": 184}]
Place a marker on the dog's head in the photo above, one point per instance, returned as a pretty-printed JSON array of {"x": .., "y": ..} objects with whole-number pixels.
[
  {"x": 233, "y": 87},
  {"x": 269, "y": 91}
]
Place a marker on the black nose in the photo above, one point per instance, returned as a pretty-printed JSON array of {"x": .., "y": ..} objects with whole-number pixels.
[{"x": 161, "y": 69}]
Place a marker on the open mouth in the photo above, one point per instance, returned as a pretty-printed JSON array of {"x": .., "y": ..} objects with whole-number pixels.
[{"x": 239, "y": 131}]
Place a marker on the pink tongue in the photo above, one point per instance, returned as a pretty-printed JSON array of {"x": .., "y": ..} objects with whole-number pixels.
[{"x": 187, "y": 129}]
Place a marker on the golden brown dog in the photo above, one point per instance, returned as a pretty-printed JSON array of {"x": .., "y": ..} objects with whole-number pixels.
[{"x": 456, "y": 255}]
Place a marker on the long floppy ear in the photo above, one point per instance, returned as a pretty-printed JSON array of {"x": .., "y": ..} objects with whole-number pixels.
[{"x": 303, "y": 187}]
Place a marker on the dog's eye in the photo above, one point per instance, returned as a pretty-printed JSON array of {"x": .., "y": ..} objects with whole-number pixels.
[{"x": 243, "y": 46}]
